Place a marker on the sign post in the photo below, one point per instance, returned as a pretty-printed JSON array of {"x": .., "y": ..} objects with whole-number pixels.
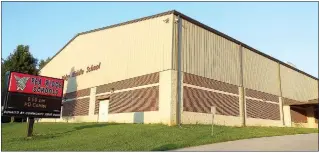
[
  {"x": 32, "y": 96},
  {"x": 213, "y": 111},
  {"x": 30, "y": 126}
]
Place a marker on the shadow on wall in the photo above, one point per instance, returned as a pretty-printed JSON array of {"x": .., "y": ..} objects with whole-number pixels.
[
  {"x": 138, "y": 117},
  {"x": 68, "y": 108}
]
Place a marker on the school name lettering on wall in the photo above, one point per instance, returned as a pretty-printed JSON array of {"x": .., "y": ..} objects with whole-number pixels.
[{"x": 81, "y": 71}]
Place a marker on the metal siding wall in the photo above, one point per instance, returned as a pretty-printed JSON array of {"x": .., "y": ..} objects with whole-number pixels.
[
  {"x": 297, "y": 86},
  {"x": 260, "y": 73},
  {"x": 209, "y": 55},
  {"x": 124, "y": 52}
]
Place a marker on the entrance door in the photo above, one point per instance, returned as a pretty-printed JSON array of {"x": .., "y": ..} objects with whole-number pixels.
[{"x": 104, "y": 111}]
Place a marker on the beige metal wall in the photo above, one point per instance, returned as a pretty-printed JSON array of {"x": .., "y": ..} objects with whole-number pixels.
[
  {"x": 209, "y": 55},
  {"x": 125, "y": 51},
  {"x": 260, "y": 73},
  {"x": 297, "y": 86}
]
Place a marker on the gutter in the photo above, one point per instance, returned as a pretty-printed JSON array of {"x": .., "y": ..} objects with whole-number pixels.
[{"x": 179, "y": 71}]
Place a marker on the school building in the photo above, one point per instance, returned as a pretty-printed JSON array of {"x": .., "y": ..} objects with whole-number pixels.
[{"x": 169, "y": 68}]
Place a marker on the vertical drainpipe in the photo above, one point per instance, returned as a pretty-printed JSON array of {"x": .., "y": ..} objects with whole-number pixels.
[
  {"x": 179, "y": 79},
  {"x": 242, "y": 90},
  {"x": 281, "y": 99}
]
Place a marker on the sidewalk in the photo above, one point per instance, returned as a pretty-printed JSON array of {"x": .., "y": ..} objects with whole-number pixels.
[{"x": 300, "y": 142}]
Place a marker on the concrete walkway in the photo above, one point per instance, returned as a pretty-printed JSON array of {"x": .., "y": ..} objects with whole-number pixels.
[{"x": 300, "y": 142}]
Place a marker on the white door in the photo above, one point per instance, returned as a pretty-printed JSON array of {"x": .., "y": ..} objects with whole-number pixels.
[{"x": 104, "y": 111}]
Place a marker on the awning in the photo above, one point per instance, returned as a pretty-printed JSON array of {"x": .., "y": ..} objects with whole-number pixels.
[
  {"x": 103, "y": 97},
  {"x": 294, "y": 102}
]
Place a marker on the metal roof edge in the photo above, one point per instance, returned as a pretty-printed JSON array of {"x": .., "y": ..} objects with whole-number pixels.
[
  {"x": 239, "y": 42},
  {"x": 59, "y": 51},
  {"x": 129, "y": 22}
]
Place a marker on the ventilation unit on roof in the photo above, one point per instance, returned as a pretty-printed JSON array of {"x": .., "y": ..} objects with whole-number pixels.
[{"x": 293, "y": 65}]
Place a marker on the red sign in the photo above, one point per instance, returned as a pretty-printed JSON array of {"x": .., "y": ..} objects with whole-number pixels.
[{"x": 38, "y": 85}]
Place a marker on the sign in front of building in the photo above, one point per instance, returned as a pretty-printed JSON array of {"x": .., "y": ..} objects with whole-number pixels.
[{"x": 33, "y": 96}]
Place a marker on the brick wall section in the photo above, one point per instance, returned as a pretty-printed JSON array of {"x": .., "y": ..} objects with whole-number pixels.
[
  {"x": 139, "y": 100},
  {"x": 79, "y": 107},
  {"x": 197, "y": 100},
  {"x": 77, "y": 94},
  {"x": 298, "y": 115},
  {"x": 129, "y": 83},
  {"x": 262, "y": 110},
  {"x": 261, "y": 95},
  {"x": 97, "y": 106},
  {"x": 209, "y": 83}
]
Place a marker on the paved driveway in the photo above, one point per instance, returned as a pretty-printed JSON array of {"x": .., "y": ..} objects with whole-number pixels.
[{"x": 300, "y": 142}]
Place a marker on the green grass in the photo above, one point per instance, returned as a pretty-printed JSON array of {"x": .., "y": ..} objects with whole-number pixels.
[{"x": 126, "y": 137}]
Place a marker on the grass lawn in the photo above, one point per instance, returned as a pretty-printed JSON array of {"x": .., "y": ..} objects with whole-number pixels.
[{"x": 126, "y": 137}]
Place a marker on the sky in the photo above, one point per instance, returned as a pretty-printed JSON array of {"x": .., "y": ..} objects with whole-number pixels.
[{"x": 287, "y": 31}]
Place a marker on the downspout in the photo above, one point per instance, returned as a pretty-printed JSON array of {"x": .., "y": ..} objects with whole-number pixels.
[
  {"x": 242, "y": 88},
  {"x": 179, "y": 73},
  {"x": 280, "y": 90}
]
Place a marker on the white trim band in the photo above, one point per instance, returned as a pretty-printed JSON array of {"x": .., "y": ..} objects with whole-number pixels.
[
  {"x": 129, "y": 89},
  {"x": 67, "y": 100},
  {"x": 251, "y": 98},
  {"x": 212, "y": 90}
]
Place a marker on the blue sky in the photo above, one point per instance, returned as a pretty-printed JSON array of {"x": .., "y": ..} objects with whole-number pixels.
[{"x": 287, "y": 31}]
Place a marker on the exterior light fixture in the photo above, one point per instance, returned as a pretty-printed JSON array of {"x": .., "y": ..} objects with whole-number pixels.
[
  {"x": 166, "y": 20},
  {"x": 112, "y": 90}
]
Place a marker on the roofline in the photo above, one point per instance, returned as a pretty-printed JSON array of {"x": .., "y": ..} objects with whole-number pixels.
[{"x": 194, "y": 22}]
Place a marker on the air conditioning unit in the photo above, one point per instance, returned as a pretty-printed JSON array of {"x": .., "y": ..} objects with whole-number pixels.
[{"x": 293, "y": 65}]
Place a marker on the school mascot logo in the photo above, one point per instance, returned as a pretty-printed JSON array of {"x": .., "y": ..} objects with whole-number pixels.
[{"x": 21, "y": 82}]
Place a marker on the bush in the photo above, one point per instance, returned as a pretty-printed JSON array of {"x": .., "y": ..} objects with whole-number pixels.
[{"x": 5, "y": 119}]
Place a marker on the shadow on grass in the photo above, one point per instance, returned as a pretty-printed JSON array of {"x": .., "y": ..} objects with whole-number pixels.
[
  {"x": 97, "y": 125},
  {"x": 64, "y": 133},
  {"x": 49, "y": 136},
  {"x": 166, "y": 147}
]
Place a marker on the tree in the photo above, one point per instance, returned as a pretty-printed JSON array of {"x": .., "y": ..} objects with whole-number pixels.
[
  {"x": 42, "y": 63},
  {"x": 21, "y": 60},
  {"x": 2, "y": 73}
]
